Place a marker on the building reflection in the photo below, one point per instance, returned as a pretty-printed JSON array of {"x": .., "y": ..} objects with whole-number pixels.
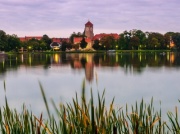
[
  {"x": 172, "y": 58},
  {"x": 84, "y": 61},
  {"x": 89, "y": 68},
  {"x": 55, "y": 59}
]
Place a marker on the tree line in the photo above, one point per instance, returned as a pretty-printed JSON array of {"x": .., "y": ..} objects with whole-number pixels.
[
  {"x": 139, "y": 40},
  {"x": 128, "y": 40},
  {"x": 134, "y": 40},
  {"x": 13, "y": 43}
]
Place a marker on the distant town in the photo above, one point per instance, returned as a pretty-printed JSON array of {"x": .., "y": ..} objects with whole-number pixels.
[{"x": 88, "y": 41}]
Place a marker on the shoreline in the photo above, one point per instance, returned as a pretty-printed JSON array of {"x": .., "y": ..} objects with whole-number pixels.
[{"x": 98, "y": 51}]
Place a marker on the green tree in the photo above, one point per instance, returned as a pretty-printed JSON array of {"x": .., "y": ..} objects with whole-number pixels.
[
  {"x": 96, "y": 45},
  {"x": 127, "y": 37},
  {"x": 65, "y": 45},
  {"x": 68, "y": 45},
  {"x": 142, "y": 38},
  {"x": 13, "y": 43},
  {"x": 33, "y": 44},
  {"x": 83, "y": 43},
  {"x": 42, "y": 46},
  {"x": 134, "y": 42},
  {"x": 3, "y": 40},
  {"x": 76, "y": 46},
  {"x": 108, "y": 42},
  {"x": 135, "y": 39},
  {"x": 24, "y": 45},
  {"x": 122, "y": 42},
  {"x": 167, "y": 38},
  {"x": 176, "y": 39},
  {"x": 47, "y": 41},
  {"x": 141, "y": 35},
  {"x": 160, "y": 40},
  {"x": 154, "y": 44}
]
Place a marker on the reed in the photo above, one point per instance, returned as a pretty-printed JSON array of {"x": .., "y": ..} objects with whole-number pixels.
[
  {"x": 174, "y": 121},
  {"x": 83, "y": 116}
]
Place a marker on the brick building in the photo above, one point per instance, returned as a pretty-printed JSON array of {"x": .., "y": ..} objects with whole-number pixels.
[{"x": 88, "y": 32}]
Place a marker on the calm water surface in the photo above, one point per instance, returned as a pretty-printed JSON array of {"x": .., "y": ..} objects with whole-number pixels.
[{"x": 128, "y": 77}]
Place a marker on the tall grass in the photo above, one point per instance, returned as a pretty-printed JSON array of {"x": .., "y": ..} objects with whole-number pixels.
[{"x": 85, "y": 117}]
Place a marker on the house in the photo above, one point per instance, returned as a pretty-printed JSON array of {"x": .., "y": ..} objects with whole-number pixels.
[
  {"x": 77, "y": 40},
  {"x": 55, "y": 45},
  {"x": 57, "y": 42}
]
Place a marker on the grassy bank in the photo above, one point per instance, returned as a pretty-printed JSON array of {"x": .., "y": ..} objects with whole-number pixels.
[
  {"x": 84, "y": 117},
  {"x": 98, "y": 51}
]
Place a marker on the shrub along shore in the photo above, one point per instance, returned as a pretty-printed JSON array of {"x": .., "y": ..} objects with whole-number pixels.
[{"x": 84, "y": 117}]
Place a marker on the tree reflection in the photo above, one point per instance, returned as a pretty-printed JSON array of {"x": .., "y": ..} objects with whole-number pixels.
[{"x": 131, "y": 62}]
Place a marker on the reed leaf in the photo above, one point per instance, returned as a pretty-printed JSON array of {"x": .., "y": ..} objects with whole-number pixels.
[{"x": 45, "y": 100}]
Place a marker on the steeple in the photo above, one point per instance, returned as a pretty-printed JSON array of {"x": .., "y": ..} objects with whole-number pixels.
[
  {"x": 89, "y": 24},
  {"x": 88, "y": 31}
]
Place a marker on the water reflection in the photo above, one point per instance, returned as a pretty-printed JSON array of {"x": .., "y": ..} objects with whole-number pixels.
[
  {"x": 126, "y": 76},
  {"x": 129, "y": 62}
]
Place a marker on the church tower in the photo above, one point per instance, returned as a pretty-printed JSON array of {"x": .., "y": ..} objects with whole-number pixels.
[{"x": 88, "y": 31}]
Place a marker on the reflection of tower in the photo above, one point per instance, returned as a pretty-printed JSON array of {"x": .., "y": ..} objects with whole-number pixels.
[
  {"x": 89, "y": 67},
  {"x": 89, "y": 71}
]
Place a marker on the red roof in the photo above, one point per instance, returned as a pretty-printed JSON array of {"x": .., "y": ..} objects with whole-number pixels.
[
  {"x": 87, "y": 40},
  {"x": 78, "y": 40},
  {"x": 22, "y": 39},
  {"x": 26, "y": 38},
  {"x": 88, "y": 24},
  {"x": 59, "y": 40},
  {"x": 65, "y": 39},
  {"x": 56, "y": 40},
  {"x": 99, "y": 36}
]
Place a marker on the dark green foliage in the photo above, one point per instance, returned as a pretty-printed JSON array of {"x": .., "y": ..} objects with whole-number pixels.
[
  {"x": 156, "y": 41},
  {"x": 134, "y": 42},
  {"x": 13, "y": 43},
  {"x": 83, "y": 43},
  {"x": 176, "y": 39},
  {"x": 108, "y": 42},
  {"x": 3, "y": 40},
  {"x": 64, "y": 46},
  {"x": 96, "y": 45},
  {"x": 46, "y": 41}
]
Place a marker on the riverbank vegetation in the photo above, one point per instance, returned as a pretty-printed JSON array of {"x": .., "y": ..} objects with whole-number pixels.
[
  {"x": 128, "y": 40},
  {"x": 84, "y": 116}
]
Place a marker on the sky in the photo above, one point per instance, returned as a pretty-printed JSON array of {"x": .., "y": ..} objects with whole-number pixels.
[{"x": 60, "y": 18}]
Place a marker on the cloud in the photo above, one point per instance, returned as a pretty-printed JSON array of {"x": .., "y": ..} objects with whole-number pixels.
[{"x": 54, "y": 15}]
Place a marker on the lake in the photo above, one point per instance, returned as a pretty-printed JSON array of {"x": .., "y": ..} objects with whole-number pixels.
[{"x": 128, "y": 77}]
